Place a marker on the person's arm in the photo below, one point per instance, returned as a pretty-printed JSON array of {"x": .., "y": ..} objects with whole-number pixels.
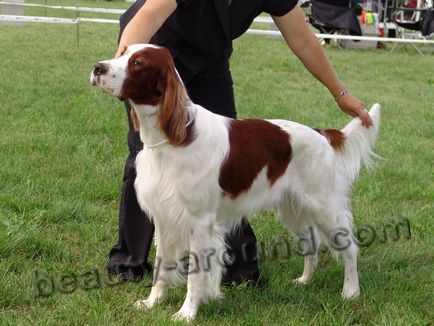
[
  {"x": 146, "y": 22},
  {"x": 308, "y": 49}
]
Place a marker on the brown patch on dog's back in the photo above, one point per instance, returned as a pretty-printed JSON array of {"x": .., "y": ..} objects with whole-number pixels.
[
  {"x": 335, "y": 137},
  {"x": 254, "y": 144}
]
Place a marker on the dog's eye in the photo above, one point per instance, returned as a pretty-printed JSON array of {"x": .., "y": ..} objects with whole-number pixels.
[{"x": 136, "y": 62}]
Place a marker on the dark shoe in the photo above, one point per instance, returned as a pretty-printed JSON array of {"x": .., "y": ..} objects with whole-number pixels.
[
  {"x": 254, "y": 281},
  {"x": 133, "y": 274}
]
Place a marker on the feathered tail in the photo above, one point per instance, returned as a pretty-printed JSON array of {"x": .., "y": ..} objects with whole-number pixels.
[{"x": 359, "y": 141}]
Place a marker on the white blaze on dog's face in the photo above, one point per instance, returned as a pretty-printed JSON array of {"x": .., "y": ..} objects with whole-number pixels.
[{"x": 138, "y": 74}]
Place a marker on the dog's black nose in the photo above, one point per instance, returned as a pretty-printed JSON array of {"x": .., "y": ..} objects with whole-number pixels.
[{"x": 100, "y": 69}]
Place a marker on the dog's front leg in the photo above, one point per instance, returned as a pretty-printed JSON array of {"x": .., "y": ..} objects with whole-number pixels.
[
  {"x": 159, "y": 285},
  {"x": 166, "y": 273},
  {"x": 205, "y": 267}
]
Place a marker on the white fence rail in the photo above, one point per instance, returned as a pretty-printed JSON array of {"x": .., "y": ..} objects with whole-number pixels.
[
  {"x": 347, "y": 37},
  {"x": 261, "y": 19},
  {"x": 82, "y": 9},
  {"x": 38, "y": 19}
]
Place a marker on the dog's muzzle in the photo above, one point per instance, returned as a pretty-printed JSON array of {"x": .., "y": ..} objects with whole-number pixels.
[
  {"x": 100, "y": 78},
  {"x": 100, "y": 69}
]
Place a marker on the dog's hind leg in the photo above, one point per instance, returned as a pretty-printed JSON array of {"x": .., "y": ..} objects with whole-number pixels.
[
  {"x": 335, "y": 224},
  {"x": 349, "y": 250},
  {"x": 308, "y": 242},
  {"x": 307, "y": 236},
  {"x": 205, "y": 271},
  {"x": 351, "y": 288}
]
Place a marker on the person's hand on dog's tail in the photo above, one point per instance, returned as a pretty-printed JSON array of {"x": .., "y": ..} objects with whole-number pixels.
[{"x": 351, "y": 105}]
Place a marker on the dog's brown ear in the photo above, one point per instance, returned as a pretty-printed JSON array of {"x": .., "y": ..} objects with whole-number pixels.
[
  {"x": 174, "y": 116},
  {"x": 134, "y": 119}
]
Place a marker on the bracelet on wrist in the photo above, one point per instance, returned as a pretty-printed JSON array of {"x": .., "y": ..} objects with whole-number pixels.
[{"x": 342, "y": 94}]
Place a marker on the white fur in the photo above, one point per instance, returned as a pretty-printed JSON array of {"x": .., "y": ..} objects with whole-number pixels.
[{"x": 179, "y": 188}]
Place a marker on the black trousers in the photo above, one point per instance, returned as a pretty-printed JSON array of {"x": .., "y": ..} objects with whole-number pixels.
[{"x": 136, "y": 232}]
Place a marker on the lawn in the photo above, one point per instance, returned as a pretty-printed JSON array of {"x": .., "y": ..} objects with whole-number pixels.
[{"x": 62, "y": 149}]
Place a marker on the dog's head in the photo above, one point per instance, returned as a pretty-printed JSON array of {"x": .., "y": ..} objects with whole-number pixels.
[
  {"x": 139, "y": 74},
  {"x": 145, "y": 75}
]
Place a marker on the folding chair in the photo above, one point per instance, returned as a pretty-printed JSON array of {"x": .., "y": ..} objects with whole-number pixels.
[
  {"x": 413, "y": 20},
  {"x": 335, "y": 16}
]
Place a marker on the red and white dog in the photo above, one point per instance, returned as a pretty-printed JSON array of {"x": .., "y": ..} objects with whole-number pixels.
[{"x": 199, "y": 173}]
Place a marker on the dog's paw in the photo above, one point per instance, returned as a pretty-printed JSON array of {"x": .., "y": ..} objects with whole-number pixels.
[
  {"x": 302, "y": 280},
  {"x": 186, "y": 313},
  {"x": 350, "y": 293},
  {"x": 156, "y": 296},
  {"x": 182, "y": 316},
  {"x": 143, "y": 304}
]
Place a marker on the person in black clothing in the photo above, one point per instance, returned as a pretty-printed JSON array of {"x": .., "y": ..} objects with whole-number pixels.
[{"x": 199, "y": 35}]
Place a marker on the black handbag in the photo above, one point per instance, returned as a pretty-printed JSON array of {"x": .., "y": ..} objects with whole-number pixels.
[{"x": 428, "y": 22}]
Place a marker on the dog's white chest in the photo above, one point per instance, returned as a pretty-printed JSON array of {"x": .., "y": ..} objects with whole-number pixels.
[
  {"x": 169, "y": 188},
  {"x": 151, "y": 183}
]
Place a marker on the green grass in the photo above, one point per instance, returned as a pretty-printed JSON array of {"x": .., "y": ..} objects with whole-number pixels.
[{"x": 62, "y": 149}]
